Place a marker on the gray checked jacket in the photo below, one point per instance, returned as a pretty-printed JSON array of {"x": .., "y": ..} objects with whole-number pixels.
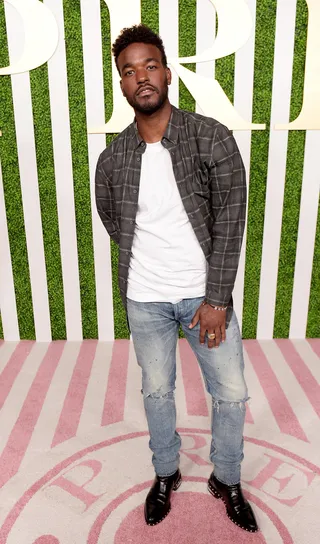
[{"x": 211, "y": 180}]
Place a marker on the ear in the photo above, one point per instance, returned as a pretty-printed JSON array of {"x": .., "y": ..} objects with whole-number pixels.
[
  {"x": 121, "y": 87},
  {"x": 169, "y": 76}
]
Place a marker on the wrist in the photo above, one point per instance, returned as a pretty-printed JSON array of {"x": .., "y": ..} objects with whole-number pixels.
[{"x": 214, "y": 306}]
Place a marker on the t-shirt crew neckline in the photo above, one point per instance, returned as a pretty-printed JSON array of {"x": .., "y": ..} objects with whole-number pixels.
[{"x": 154, "y": 146}]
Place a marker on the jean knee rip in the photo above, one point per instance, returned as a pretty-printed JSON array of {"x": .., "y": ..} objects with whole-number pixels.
[
  {"x": 240, "y": 404},
  {"x": 161, "y": 393}
]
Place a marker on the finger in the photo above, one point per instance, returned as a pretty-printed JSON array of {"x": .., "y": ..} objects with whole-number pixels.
[
  {"x": 223, "y": 333},
  {"x": 218, "y": 337},
  {"x": 211, "y": 341},
  {"x": 195, "y": 320},
  {"x": 202, "y": 334}
]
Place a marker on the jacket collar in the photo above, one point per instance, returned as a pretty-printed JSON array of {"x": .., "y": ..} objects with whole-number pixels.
[{"x": 172, "y": 131}]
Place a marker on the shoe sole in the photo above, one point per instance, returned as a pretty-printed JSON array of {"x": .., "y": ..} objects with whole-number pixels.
[
  {"x": 217, "y": 495},
  {"x": 174, "y": 488}
]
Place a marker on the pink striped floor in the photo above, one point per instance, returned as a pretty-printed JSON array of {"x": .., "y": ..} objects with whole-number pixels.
[{"x": 74, "y": 459}]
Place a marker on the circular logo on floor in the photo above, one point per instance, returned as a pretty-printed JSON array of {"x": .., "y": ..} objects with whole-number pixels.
[{"x": 96, "y": 496}]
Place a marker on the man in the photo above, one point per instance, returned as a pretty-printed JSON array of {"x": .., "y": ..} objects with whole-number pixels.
[{"x": 171, "y": 192}]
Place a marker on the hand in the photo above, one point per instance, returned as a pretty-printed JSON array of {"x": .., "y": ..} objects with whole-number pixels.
[{"x": 211, "y": 321}]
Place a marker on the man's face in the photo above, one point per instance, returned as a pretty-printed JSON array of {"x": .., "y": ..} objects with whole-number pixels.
[{"x": 144, "y": 79}]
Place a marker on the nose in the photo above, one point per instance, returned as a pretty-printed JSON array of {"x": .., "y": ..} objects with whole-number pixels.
[{"x": 142, "y": 76}]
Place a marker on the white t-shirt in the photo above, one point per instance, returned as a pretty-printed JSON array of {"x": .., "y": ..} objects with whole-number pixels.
[{"x": 167, "y": 263}]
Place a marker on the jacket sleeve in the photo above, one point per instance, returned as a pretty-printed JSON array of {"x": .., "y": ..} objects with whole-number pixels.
[
  {"x": 105, "y": 202},
  {"x": 229, "y": 211}
]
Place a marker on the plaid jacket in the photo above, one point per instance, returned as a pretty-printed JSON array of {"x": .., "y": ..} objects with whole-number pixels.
[{"x": 211, "y": 181}]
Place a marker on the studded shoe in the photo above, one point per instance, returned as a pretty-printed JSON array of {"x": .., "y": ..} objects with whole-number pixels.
[
  {"x": 157, "y": 505},
  {"x": 237, "y": 507}
]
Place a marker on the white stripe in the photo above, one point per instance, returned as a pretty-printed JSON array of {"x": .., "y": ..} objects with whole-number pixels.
[
  {"x": 8, "y": 306},
  {"x": 205, "y": 28},
  {"x": 6, "y": 350},
  {"x": 91, "y": 415},
  {"x": 310, "y": 358},
  {"x": 243, "y": 100},
  {"x": 290, "y": 386},
  {"x": 169, "y": 32},
  {"x": 265, "y": 424},
  {"x": 281, "y": 92},
  {"x": 60, "y": 121},
  {"x": 306, "y": 236},
  {"x": 93, "y": 74},
  {"x": 46, "y": 425},
  {"x": 21, "y": 94},
  {"x": 12, "y": 407}
]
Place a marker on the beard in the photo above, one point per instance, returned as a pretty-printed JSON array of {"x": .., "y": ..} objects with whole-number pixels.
[{"x": 150, "y": 105}]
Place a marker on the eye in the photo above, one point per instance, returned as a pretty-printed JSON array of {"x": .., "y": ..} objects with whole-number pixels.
[
  {"x": 151, "y": 67},
  {"x": 128, "y": 73}
]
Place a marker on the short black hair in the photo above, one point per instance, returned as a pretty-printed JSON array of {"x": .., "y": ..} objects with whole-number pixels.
[{"x": 138, "y": 34}]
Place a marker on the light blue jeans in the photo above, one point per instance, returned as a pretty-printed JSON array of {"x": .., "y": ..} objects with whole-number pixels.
[{"x": 154, "y": 327}]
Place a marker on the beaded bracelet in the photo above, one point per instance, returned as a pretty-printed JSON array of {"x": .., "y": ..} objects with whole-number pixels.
[{"x": 219, "y": 308}]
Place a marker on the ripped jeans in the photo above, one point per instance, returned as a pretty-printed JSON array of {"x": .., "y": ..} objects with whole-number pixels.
[{"x": 154, "y": 327}]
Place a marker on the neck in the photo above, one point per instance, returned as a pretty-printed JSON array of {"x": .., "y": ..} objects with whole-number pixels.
[{"x": 152, "y": 127}]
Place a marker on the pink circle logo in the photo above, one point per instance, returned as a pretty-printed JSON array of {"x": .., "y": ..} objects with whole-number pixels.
[{"x": 97, "y": 495}]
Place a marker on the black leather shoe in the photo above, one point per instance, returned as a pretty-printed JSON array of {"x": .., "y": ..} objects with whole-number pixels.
[
  {"x": 237, "y": 507},
  {"x": 157, "y": 505}
]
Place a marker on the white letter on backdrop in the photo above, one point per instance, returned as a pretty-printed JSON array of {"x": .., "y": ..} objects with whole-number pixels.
[
  {"x": 41, "y": 36},
  {"x": 122, "y": 15},
  {"x": 235, "y": 24},
  {"x": 309, "y": 117}
]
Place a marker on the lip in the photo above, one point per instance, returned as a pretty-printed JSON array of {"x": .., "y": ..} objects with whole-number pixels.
[{"x": 145, "y": 91}]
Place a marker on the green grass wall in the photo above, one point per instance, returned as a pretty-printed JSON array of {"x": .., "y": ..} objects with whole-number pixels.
[{"x": 262, "y": 96}]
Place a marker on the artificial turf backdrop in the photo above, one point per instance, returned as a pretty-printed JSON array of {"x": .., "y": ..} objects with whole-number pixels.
[{"x": 264, "y": 56}]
